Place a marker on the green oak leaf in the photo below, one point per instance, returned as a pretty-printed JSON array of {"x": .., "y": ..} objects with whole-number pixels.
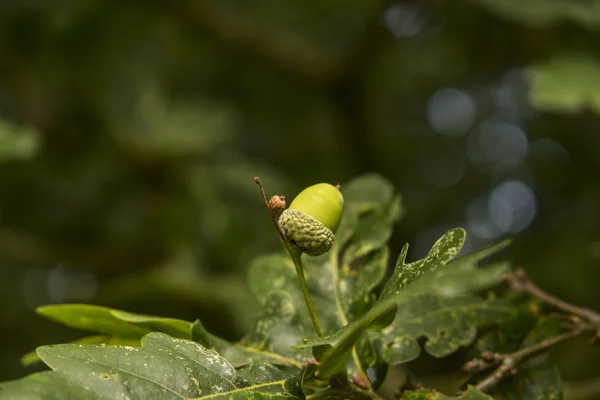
[
  {"x": 443, "y": 311},
  {"x": 424, "y": 394},
  {"x": 32, "y": 357},
  {"x": 124, "y": 328},
  {"x": 341, "y": 282},
  {"x": 162, "y": 368},
  {"x": 443, "y": 250},
  {"x": 117, "y": 327},
  {"x": 447, "y": 323},
  {"x": 463, "y": 276},
  {"x": 113, "y": 322},
  {"x": 47, "y": 385}
]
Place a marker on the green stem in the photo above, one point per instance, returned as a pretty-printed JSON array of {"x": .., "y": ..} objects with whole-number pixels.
[{"x": 296, "y": 258}]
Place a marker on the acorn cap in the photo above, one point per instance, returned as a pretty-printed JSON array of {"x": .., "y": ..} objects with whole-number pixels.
[{"x": 313, "y": 217}]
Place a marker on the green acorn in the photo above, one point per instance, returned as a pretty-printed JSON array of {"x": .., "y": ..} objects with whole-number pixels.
[{"x": 313, "y": 218}]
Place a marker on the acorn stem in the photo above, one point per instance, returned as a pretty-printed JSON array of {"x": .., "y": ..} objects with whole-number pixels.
[{"x": 297, "y": 259}]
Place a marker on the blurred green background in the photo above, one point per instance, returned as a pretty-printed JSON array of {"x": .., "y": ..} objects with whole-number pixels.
[{"x": 130, "y": 133}]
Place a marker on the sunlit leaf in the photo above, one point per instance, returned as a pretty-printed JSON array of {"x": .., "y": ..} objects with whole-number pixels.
[
  {"x": 33, "y": 358},
  {"x": 444, "y": 249},
  {"x": 163, "y": 368},
  {"x": 117, "y": 327},
  {"x": 463, "y": 276}
]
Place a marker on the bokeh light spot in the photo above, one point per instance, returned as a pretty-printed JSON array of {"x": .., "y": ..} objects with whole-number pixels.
[
  {"x": 451, "y": 112},
  {"x": 404, "y": 20},
  {"x": 512, "y": 206},
  {"x": 496, "y": 142}
]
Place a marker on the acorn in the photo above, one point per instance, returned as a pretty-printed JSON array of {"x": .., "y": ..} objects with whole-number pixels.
[{"x": 313, "y": 218}]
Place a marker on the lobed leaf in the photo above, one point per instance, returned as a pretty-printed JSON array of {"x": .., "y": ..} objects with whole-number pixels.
[
  {"x": 440, "y": 306},
  {"x": 447, "y": 324},
  {"x": 443, "y": 250},
  {"x": 414, "y": 305},
  {"x": 163, "y": 368},
  {"x": 463, "y": 275}
]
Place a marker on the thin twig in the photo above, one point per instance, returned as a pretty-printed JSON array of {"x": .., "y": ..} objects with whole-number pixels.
[
  {"x": 519, "y": 282},
  {"x": 507, "y": 363},
  {"x": 272, "y": 215}
]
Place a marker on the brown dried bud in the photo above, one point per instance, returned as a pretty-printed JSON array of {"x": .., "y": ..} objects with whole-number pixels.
[
  {"x": 277, "y": 204},
  {"x": 360, "y": 381}
]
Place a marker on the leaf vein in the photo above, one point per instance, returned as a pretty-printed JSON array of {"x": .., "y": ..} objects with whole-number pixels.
[{"x": 238, "y": 390}]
